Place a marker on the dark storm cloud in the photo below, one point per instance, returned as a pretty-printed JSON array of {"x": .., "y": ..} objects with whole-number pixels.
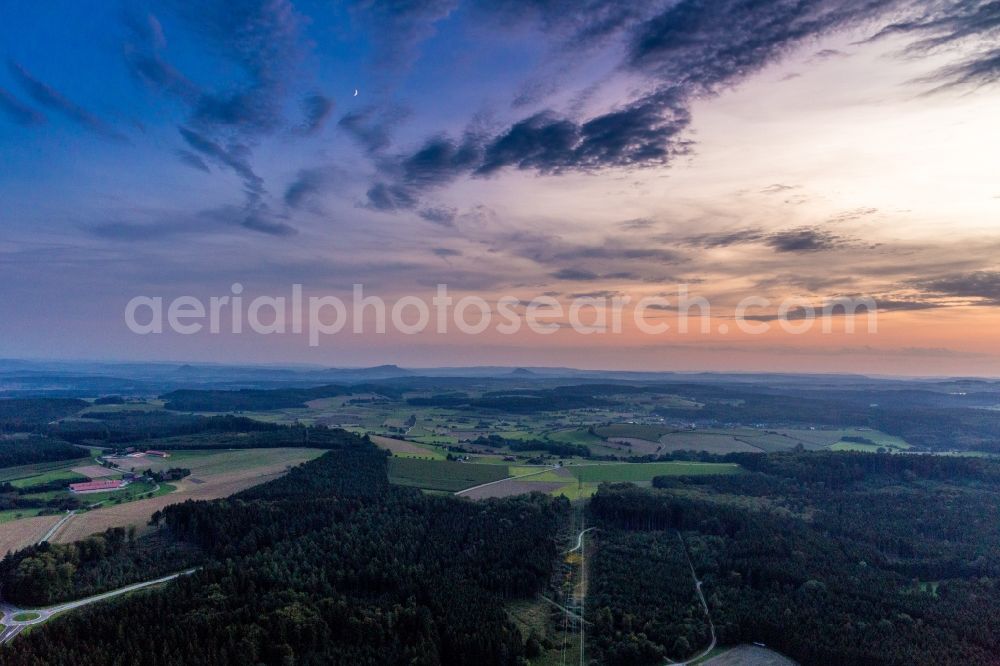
[
  {"x": 259, "y": 219},
  {"x": 644, "y": 133},
  {"x": 51, "y": 98},
  {"x": 310, "y": 183},
  {"x": 827, "y": 54},
  {"x": 439, "y": 215},
  {"x": 372, "y": 127},
  {"x": 778, "y": 188},
  {"x": 891, "y": 305},
  {"x": 169, "y": 224},
  {"x": 600, "y": 293},
  {"x": 445, "y": 252},
  {"x": 259, "y": 37},
  {"x": 974, "y": 24},
  {"x": 725, "y": 238},
  {"x": 386, "y": 197},
  {"x": 855, "y": 214},
  {"x": 801, "y": 239},
  {"x": 637, "y": 224},
  {"x": 841, "y": 306},
  {"x": 685, "y": 50},
  {"x": 575, "y": 274},
  {"x": 437, "y": 162},
  {"x": 192, "y": 160},
  {"x": 234, "y": 157},
  {"x": 701, "y": 46},
  {"x": 143, "y": 59},
  {"x": 18, "y": 112},
  {"x": 981, "y": 285},
  {"x": 253, "y": 217},
  {"x": 804, "y": 239},
  {"x": 398, "y": 26},
  {"x": 316, "y": 108},
  {"x": 616, "y": 253},
  {"x": 577, "y": 23},
  {"x": 254, "y": 214}
]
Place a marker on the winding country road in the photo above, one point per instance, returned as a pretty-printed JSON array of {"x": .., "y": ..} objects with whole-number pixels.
[{"x": 14, "y": 627}]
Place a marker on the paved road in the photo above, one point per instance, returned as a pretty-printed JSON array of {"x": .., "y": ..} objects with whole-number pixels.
[
  {"x": 15, "y": 626},
  {"x": 9, "y": 632}
]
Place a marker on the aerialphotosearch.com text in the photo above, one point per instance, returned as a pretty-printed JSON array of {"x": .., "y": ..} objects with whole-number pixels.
[{"x": 319, "y": 316}]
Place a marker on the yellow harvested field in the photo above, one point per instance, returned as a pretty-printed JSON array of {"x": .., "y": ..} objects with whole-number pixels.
[
  {"x": 399, "y": 446},
  {"x": 137, "y": 513},
  {"x": 18, "y": 534}
]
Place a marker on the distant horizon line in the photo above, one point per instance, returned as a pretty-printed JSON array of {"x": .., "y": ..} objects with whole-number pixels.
[{"x": 278, "y": 365}]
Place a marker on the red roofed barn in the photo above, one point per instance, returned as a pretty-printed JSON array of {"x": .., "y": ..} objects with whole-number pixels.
[{"x": 97, "y": 486}]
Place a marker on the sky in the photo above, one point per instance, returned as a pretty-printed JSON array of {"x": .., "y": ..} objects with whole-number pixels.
[{"x": 800, "y": 152}]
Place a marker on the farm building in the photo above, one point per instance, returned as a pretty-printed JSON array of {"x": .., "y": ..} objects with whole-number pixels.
[
  {"x": 104, "y": 485},
  {"x": 160, "y": 454}
]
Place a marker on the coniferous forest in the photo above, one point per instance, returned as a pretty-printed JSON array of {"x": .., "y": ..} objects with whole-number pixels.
[
  {"x": 328, "y": 564},
  {"x": 828, "y": 558}
]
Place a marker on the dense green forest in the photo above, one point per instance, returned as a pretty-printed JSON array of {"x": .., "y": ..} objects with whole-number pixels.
[
  {"x": 194, "y": 400},
  {"x": 15, "y": 451},
  {"x": 47, "y": 573},
  {"x": 328, "y": 564},
  {"x": 829, "y": 558},
  {"x": 644, "y": 605},
  {"x": 188, "y": 431},
  {"x": 521, "y": 401},
  {"x": 33, "y": 414},
  {"x": 190, "y": 400},
  {"x": 564, "y": 449},
  {"x": 124, "y": 427}
]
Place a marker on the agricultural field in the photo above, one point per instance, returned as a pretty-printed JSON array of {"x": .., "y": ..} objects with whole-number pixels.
[
  {"x": 405, "y": 449},
  {"x": 650, "y": 433},
  {"x": 17, "y": 534},
  {"x": 645, "y": 472},
  {"x": 710, "y": 441},
  {"x": 831, "y": 438},
  {"x": 442, "y": 474},
  {"x": 219, "y": 474},
  {"x": 213, "y": 474},
  {"x": 15, "y": 474},
  {"x": 66, "y": 475},
  {"x": 204, "y": 464}
]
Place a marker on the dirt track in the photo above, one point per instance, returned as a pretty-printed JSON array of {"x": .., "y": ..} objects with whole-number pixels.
[{"x": 509, "y": 487}]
